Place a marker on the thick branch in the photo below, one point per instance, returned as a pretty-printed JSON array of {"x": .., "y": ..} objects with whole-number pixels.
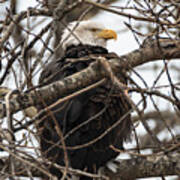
[
  {"x": 147, "y": 166},
  {"x": 151, "y": 50},
  {"x": 139, "y": 167}
]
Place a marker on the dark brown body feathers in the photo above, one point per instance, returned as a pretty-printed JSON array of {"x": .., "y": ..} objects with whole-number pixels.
[{"x": 102, "y": 107}]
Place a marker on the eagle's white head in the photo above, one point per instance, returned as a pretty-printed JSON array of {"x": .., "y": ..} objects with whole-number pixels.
[{"x": 86, "y": 32}]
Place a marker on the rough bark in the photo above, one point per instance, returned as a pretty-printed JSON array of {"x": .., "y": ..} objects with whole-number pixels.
[
  {"x": 151, "y": 50},
  {"x": 138, "y": 167},
  {"x": 147, "y": 166}
]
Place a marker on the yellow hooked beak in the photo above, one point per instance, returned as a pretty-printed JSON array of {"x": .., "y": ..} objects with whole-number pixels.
[{"x": 107, "y": 34}]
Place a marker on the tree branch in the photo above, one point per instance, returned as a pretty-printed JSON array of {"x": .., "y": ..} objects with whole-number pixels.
[
  {"x": 17, "y": 18},
  {"x": 151, "y": 50},
  {"x": 146, "y": 166},
  {"x": 159, "y": 164}
]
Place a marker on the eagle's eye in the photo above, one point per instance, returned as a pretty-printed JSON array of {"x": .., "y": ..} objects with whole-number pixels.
[{"x": 94, "y": 29}]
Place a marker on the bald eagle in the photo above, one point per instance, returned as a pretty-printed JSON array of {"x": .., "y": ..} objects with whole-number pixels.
[{"x": 98, "y": 108}]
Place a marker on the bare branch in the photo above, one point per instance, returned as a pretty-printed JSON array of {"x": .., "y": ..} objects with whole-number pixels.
[
  {"x": 149, "y": 52},
  {"x": 146, "y": 166},
  {"x": 137, "y": 167}
]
